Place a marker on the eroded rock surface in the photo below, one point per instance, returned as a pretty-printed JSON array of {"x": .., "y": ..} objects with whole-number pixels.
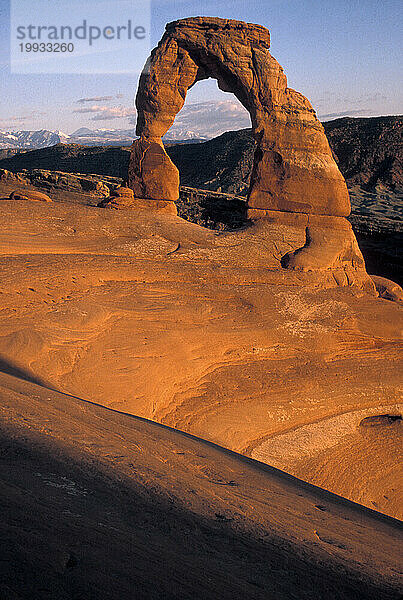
[
  {"x": 60, "y": 186},
  {"x": 205, "y": 332},
  {"x": 83, "y": 486},
  {"x": 387, "y": 289},
  {"x": 293, "y": 165},
  {"x": 29, "y": 195},
  {"x": 123, "y": 197}
]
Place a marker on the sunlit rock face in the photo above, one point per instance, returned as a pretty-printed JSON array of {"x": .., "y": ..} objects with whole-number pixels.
[{"x": 293, "y": 169}]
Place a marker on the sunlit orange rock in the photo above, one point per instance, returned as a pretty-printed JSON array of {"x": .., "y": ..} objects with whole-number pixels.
[
  {"x": 123, "y": 197},
  {"x": 29, "y": 195},
  {"x": 293, "y": 165}
]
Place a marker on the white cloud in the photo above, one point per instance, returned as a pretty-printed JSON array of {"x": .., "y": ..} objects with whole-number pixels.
[
  {"x": 106, "y": 113},
  {"x": 99, "y": 99},
  {"x": 346, "y": 113},
  {"x": 95, "y": 99},
  {"x": 209, "y": 119},
  {"x": 32, "y": 115}
]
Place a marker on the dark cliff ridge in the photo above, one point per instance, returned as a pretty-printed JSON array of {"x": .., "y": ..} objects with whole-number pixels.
[
  {"x": 368, "y": 151},
  {"x": 72, "y": 158},
  {"x": 222, "y": 164}
]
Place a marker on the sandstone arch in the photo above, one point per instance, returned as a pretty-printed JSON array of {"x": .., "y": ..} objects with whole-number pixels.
[{"x": 293, "y": 171}]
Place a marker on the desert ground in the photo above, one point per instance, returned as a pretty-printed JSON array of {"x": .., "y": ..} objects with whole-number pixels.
[
  {"x": 202, "y": 331},
  {"x": 100, "y": 504}
]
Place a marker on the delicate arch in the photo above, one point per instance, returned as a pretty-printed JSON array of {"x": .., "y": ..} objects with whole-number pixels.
[{"x": 293, "y": 170}]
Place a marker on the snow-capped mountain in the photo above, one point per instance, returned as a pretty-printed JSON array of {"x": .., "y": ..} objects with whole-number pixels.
[
  {"x": 196, "y": 122},
  {"x": 31, "y": 139},
  {"x": 180, "y": 134},
  {"x": 206, "y": 120},
  {"x": 43, "y": 138},
  {"x": 102, "y": 137}
]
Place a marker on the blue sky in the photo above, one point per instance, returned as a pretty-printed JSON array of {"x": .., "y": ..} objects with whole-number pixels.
[{"x": 345, "y": 56}]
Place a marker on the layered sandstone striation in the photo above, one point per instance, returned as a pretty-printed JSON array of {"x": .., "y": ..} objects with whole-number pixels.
[
  {"x": 293, "y": 166},
  {"x": 205, "y": 332}
]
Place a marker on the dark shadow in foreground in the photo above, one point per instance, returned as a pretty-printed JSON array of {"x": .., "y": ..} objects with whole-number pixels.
[
  {"x": 76, "y": 528},
  {"x": 6, "y": 366}
]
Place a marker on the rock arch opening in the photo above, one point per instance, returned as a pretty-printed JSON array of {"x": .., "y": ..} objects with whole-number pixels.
[
  {"x": 215, "y": 160},
  {"x": 207, "y": 113}
]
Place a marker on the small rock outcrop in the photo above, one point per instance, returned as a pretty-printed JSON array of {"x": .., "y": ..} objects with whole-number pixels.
[
  {"x": 387, "y": 289},
  {"x": 293, "y": 169},
  {"x": 123, "y": 197},
  {"x": 29, "y": 195}
]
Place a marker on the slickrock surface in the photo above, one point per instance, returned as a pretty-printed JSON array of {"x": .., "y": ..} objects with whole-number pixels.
[
  {"x": 100, "y": 505},
  {"x": 293, "y": 165},
  {"x": 208, "y": 333},
  {"x": 375, "y": 216}
]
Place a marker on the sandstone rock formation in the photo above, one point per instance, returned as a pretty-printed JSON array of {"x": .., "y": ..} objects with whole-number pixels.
[
  {"x": 293, "y": 165},
  {"x": 120, "y": 197},
  {"x": 152, "y": 174},
  {"x": 96, "y": 504},
  {"x": 29, "y": 195},
  {"x": 110, "y": 319},
  {"x": 123, "y": 197},
  {"x": 10, "y": 177},
  {"x": 60, "y": 186},
  {"x": 387, "y": 289}
]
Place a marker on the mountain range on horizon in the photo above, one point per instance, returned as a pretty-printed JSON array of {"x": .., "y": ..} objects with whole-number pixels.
[
  {"x": 43, "y": 138},
  {"x": 368, "y": 151}
]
